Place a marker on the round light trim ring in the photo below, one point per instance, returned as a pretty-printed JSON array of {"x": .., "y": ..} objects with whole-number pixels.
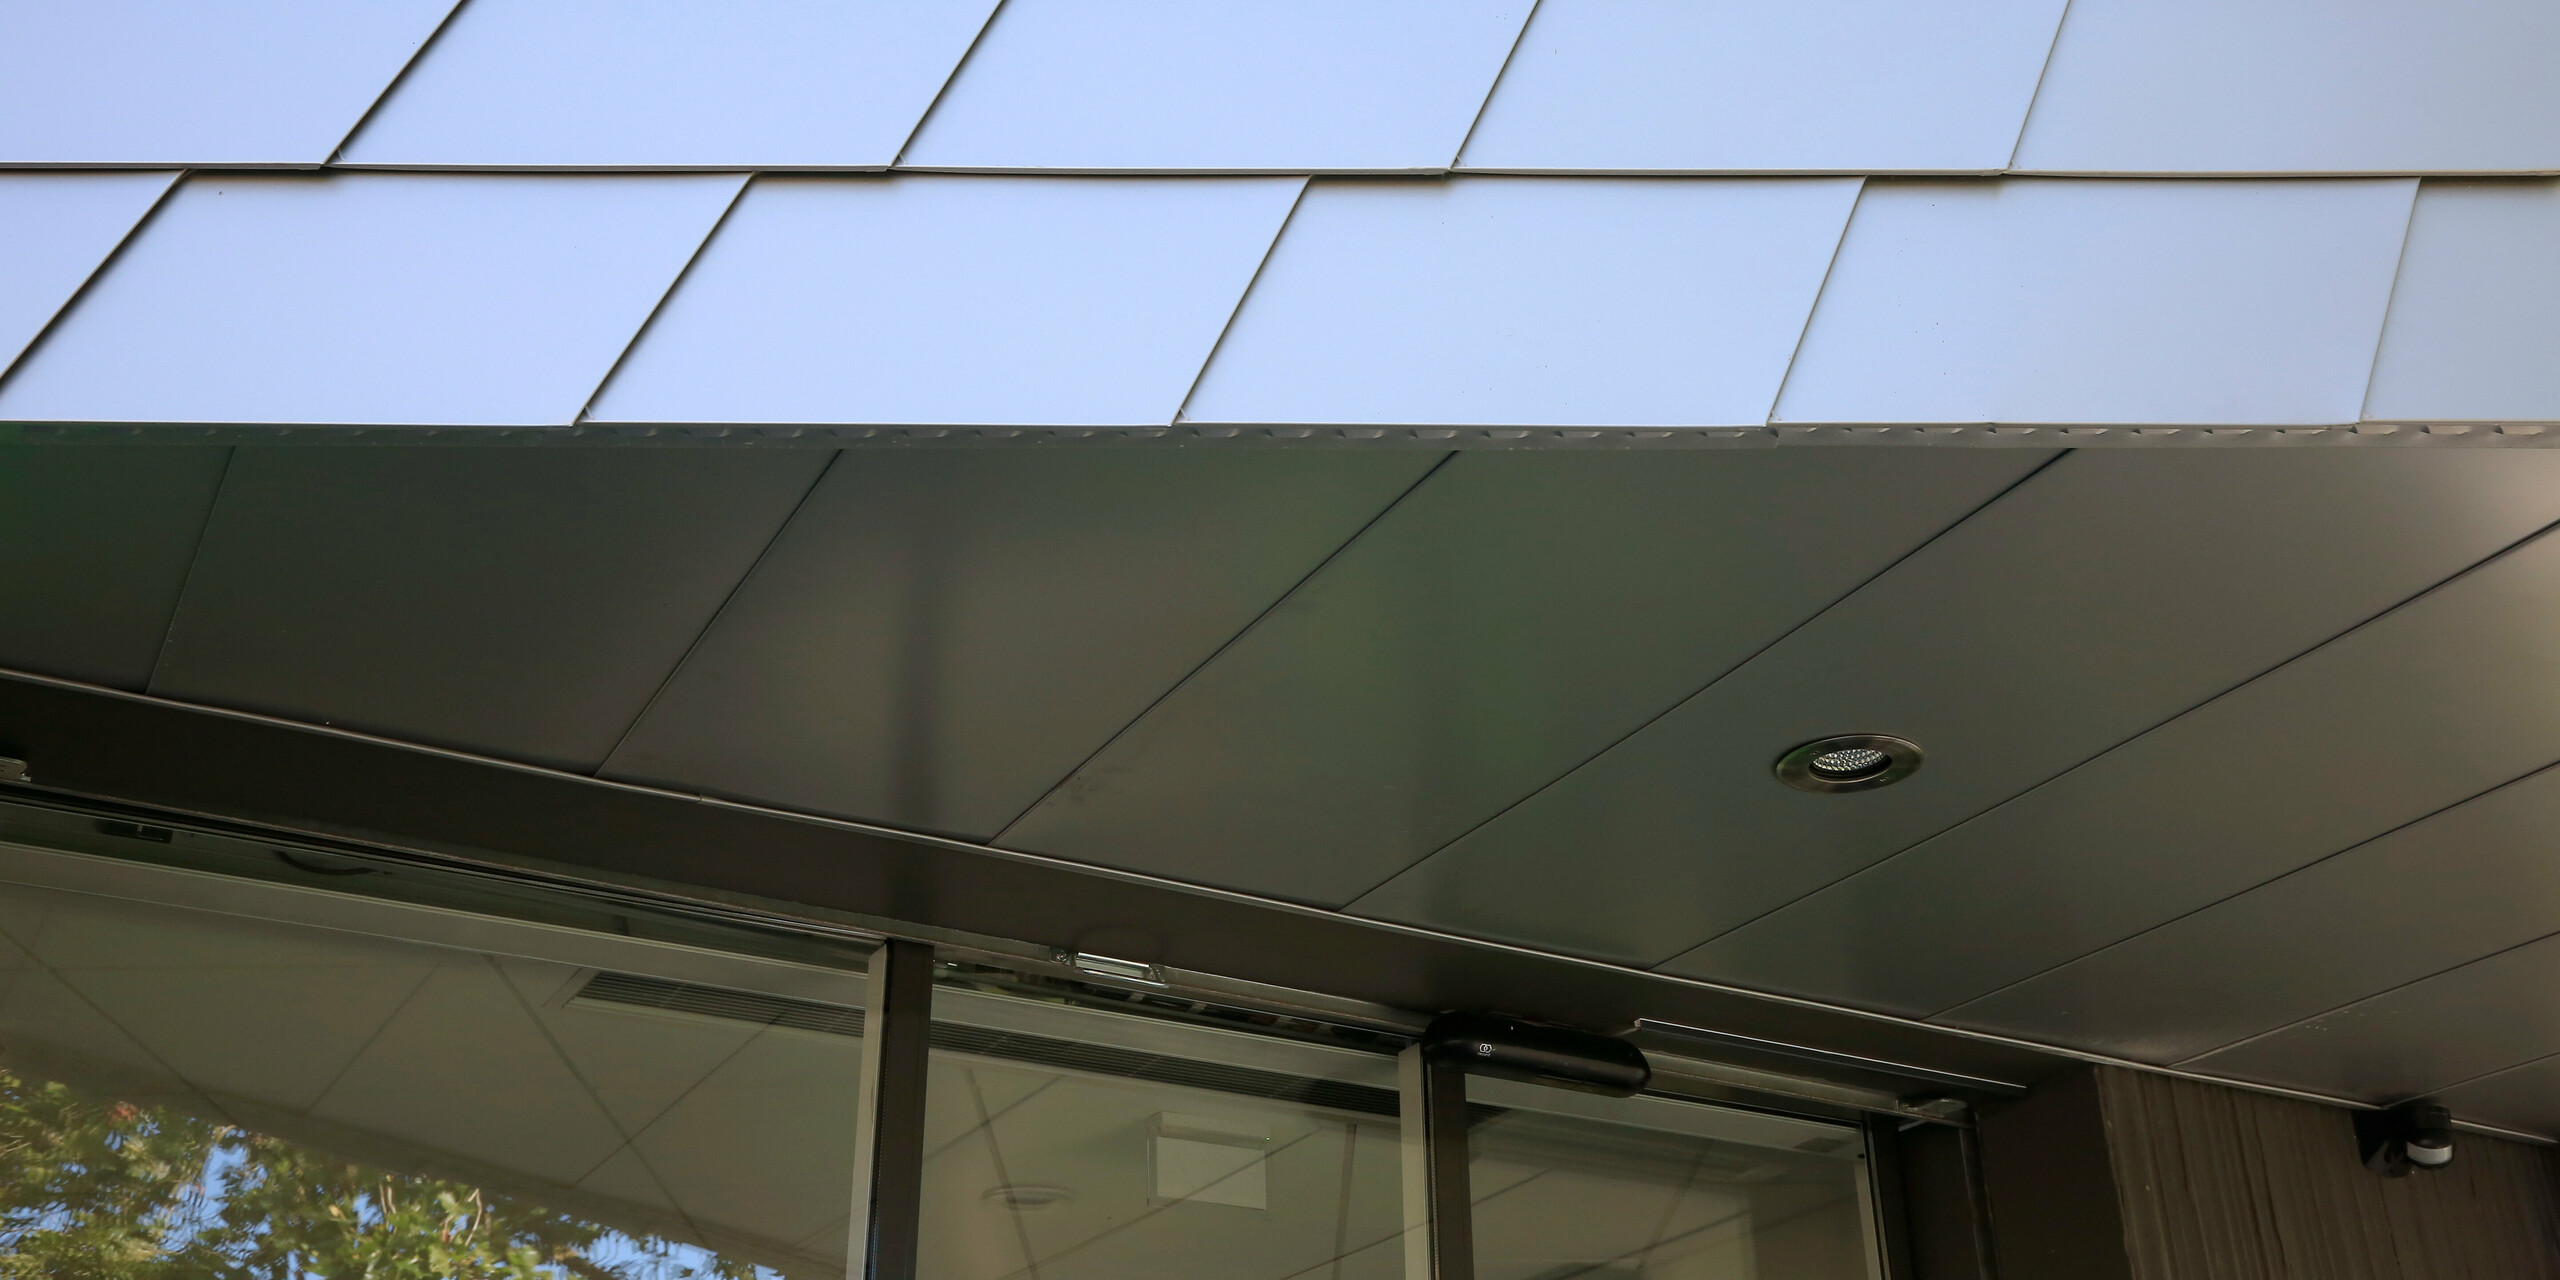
[{"x": 1849, "y": 762}]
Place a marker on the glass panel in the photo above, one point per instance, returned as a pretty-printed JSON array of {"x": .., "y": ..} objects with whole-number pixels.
[
  {"x": 1569, "y": 1185},
  {"x": 193, "y": 1093},
  {"x": 1067, "y": 1143}
]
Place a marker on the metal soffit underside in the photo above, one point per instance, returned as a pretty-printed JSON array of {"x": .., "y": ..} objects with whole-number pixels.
[{"x": 2234, "y": 761}]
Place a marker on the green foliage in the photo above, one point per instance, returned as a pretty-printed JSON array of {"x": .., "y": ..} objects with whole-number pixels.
[{"x": 98, "y": 1190}]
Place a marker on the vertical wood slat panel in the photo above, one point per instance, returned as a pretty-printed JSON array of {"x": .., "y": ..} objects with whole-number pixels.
[{"x": 2221, "y": 1184}]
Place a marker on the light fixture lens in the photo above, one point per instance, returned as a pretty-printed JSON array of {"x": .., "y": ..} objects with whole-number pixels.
[{"x": 1849, "y": 762}]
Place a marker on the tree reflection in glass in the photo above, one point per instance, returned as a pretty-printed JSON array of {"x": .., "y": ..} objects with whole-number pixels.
[{"x": 96, "y": 1189}]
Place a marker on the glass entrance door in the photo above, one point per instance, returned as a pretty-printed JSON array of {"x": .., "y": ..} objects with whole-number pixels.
[{"x": 1570, "y": 1186}]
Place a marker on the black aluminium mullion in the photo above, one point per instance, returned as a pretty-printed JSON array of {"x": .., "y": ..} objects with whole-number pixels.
[
  {"x": 1444, "y": 1137},
  {"x": 899, "y": 1026},
  {"x": 1885, "y": 1171}
]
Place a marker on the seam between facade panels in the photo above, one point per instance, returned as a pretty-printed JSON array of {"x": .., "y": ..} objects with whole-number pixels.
[
  {"x": 677, "y": 668},
  {"x": 392, "y": 85},
  {"x": 27, "y": 354},
  {"x": 1718, "y": 678},
  {"x": 2277, "y": 878},
  {"x": 2019, "y": 142},
  {"x": 2154, "y": 727},
  {"x": 674, "y": 283},
  {"x": 2534, "y": 1061},
  {"x": 1518, "y": 38},
  {"x": 2390, "y": 300},
  {"x": 1769, "y": 418},
  {"x": 195, "y": 556},
  {"x": 994, "y": 11},
  {"x": 2181, "y": 1064},
  {"x": 1242, "y": 296},
  {"x": 1230, "y": 642}
]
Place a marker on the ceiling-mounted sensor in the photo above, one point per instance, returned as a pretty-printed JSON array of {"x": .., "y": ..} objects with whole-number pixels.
[{"x": 1849, "y": 762}]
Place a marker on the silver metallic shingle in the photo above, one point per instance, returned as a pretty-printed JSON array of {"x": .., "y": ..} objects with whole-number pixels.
[
  {"x": 2113, "y": 302},
  {"x": 1162, "y": 84},
  {"x": 954, "y": 300},
  {"x": 1723, "y": 85},
  {"x": 208, "y": 82},
  {"x": 673, "y": 83},
  {"x": 370, "y": 298},
  {"x": 1609, "y": 301}
]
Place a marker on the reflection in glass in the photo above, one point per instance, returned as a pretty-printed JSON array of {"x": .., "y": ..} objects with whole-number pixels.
[
  {"x": 91, "y": 1187},
  {"x": 1661, "y": 1190},
  {"x": 258, "y": 1098},
  {"x": 1069, "y": 1144}
]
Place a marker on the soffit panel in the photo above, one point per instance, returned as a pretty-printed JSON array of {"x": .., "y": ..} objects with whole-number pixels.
[
  {"x": 2142, "y": 302},
  {"x": 941, "y": 636},
  {"x": 101, "y": 538},
  {"x": 1161, "y": 84},
  {"x": 2112, "y": 591},
  {"x": 2526, "y": 1098},
  {"x": 2484, "y": 1017},
  {"x": 1539, "y": 301},
  {"x": 2266, "y": 86},
  {"x": 1855, "y": 86},
  {"x": 672, "y": 82},
  {"x": 2475, "y": 319},
  {"x": 225, "y": 82},
  {"x": 2424, "y": 707},
  {"x": 954, "y": 300},
  {"x": 462, "y": 300},
  {"x": 524, "y": 603},
  {"x": 1511, "y": 617},
  {"x": 2475, "y": 879},
  {"x": 55, "y": 228}
]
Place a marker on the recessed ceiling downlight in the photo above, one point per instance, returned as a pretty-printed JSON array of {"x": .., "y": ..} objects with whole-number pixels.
[{"x": 1850, "y": 762}]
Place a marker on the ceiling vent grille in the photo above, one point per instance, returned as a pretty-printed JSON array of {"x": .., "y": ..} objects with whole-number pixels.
[{"x": 634, "y": 991}]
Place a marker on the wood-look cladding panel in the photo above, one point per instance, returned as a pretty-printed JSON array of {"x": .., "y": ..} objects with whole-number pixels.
[{"x": 2220, "y": 1184}]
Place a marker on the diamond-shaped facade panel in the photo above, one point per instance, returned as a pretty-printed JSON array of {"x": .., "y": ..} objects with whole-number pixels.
[
  {"x": 954, "y": 300},
  {"x": 1627, "y": 301},
  {"x": 483, "y": 300},
  {"x": 1122, "y": 85},
  {"x": 2045, "y": 301},
  {"x": 1696, "y": 86},
  {"x": 600, "y": 83},
  {"x": 209, "y": 82}
]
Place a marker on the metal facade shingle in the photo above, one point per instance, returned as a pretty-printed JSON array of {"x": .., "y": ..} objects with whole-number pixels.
[
  {"x": 2474, "y": 331},
  {"x": 370, "y": 298},
  {"x": 1546, "y": 301},
  {"x": 1119, "y": 85},
  {"x": 2050, "y": 300},
  {"x": 207, "y": 82},
  {"x": 1857, "y": 86},
  {"x": 55, "y": 229},
  {"x": 672, "y": 83},
  {"x": 954, "y": 300},
  {"x": 2281, "y": 86}
]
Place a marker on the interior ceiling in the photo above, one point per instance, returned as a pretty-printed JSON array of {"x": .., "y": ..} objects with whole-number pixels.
[{"x": 2233, "y": 751}]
